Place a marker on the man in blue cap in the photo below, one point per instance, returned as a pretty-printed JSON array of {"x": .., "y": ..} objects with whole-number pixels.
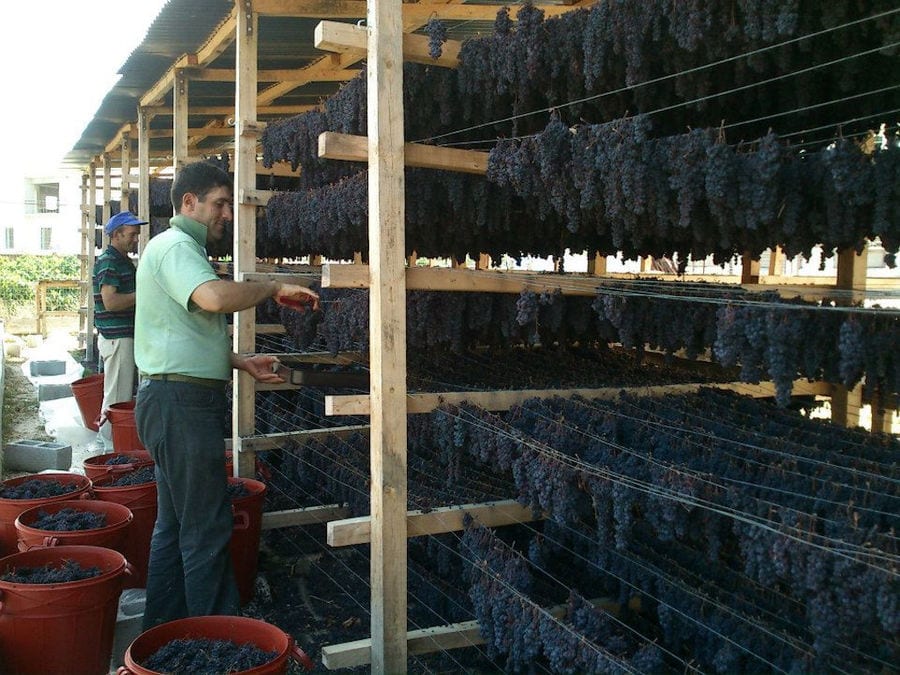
[{"x": 114, "y": 299}]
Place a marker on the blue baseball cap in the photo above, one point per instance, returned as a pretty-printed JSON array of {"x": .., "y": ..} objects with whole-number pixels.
[{"x": 120, "y": 219}]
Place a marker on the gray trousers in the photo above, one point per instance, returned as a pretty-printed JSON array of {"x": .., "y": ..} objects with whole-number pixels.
[{"x": 190, "y": 572}]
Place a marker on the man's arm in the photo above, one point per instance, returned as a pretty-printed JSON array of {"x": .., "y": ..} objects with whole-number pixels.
[
  {"x": 114, "y": 301},
  {"x": 223, "y": 296}
]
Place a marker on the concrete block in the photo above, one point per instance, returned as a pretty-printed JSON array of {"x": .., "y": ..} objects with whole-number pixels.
[
  {"x": 51, "y": 367},
  {"x": 31, "y": 455},
  {"x": 50, "y": 392},
  {"x": 128, "y": 624}
]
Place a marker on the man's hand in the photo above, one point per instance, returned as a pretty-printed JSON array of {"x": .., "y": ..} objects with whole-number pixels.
[
  {"x": 262, "y": 367},
  {"x": 296, "y": 297}
]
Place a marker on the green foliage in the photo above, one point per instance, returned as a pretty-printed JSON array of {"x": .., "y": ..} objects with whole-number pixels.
[{"x": 19, "y": 275}]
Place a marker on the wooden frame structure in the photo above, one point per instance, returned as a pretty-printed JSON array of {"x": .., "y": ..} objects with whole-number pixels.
[{"x": 384, "y": 44}]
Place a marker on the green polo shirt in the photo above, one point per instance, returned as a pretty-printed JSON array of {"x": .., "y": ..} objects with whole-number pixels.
[{"x": 172, "y": 334}]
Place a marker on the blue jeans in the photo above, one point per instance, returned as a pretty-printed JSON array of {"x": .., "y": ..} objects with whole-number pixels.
[{"x": 190, "y": 573}]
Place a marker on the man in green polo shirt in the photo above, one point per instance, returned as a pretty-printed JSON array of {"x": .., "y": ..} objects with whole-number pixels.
[
  {"x": 184, "y": 356},
  {"x": 113, "y": 286}
]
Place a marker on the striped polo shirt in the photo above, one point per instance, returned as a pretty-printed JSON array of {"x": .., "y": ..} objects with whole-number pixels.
[{"x": 113, "y": 268}]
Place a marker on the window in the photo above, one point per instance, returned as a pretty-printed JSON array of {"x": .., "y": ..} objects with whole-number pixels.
[
  {"x": 9, "y": 239},
  {"x": 46, "y": 234},
  {"x": 47, "y": 197}
]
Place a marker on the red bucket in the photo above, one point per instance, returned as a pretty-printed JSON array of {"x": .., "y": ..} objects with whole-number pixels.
[
  {"x": 10, "y": 509},
  {"x": 88, "y": 393},
  {"x": 141, "y": 500},
  {"x": 97, "y": 467},
  {"x": 239, "y": 629},
  {"x": 65, "y": 628},
  {"x": 244, "y": 545},
  {"x": 124, "y": 428},
  {"x": 112, "y": 535}
]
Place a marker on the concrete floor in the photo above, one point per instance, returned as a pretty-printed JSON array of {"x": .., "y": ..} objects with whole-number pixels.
[{"x": 61, "y": 416}]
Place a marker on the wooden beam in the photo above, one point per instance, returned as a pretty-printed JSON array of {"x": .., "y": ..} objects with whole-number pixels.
[
  {"x": 302, "y": 278},
  {"x": 437, "y": 521},
  {"x": 244, "y": 237},
  {"x": 358, "y": 404},
  {"x": 310, "y": 515},
  {"x": 336, "y": 275},
  {"x": 419, "y": 11},
  {"x": 439, "y": 638},
  {"x": 334, "y": 36},
  {"x": 278, "y": 75},
  {"x": 333, "y": 145},
  {"x": 278, "y": 440},
  {"x": 286, "y": 110}
]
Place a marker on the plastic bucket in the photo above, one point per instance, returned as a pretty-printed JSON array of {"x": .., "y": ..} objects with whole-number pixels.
[
  {"x": 238, "y": 629},
  {"x": 124, "y": 429},
  {"x": 88, "y": 392},
  {"x": 141, "y": 500},
  {"x": 112, "y": 535},
  {"x": 244, "y": 544},
  {"x": 96, "y": 467},
  {"x": 64, "y": 628},
  {"x": 10, "y": 509}
]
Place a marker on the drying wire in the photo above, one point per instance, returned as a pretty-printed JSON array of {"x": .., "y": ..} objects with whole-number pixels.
[
  {"x": 853, "y": 553},
  {"x": 365, "y": 581},
  {"x": 682, "y": 73}
]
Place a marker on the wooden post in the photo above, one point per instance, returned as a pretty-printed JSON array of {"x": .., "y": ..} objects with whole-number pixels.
[
  {"x": 387, "y": 328},
  {"x": 882, "y": 412},
  {"x": 125, "y": 189},
  {"x": 92, "y": 250},
  {"x": 776, "y": 262},
  {"x": 749, "y": 268},
  {"x": 646, "y": 263},
  {"x": 597, "y": 264},
  {"x": 244, "y": 392},
  {"x": 851, "y": 270},
  {"x": 143, "y": 176},
  {"x": 180, "y": 119},
  {"x": 40, "y": 302},
  {"x": 484, "y": 262},
  {"x": 107, "y": 198},
  {"x": 86, "y": 298},
  {"x": 851, "y": 276}
]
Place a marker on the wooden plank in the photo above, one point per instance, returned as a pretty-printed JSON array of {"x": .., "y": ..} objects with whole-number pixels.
[
  {"x": 179, "y": 121},
  {"x": 277, "y": 75},
  {"x": 439, "y": 638},
  {"x": 437, "y": 521},
  {"x": 334, "y": 36},
  {"x": 358, "y": 404},
  {"x": 302, "y": 278},
  {"x": 254, "y": 197},
  {"x": 387, "y": 335},
  {"x": 244, "y": 238},
  {"x": 337, "y": 275},
  {"x": 749, "y": 268},
  {"x": 311, "y": 515},
  {"x": 333, "y": 145},
  {"x": 278, "y": 440},
  {"x": 420, "y": 11}
]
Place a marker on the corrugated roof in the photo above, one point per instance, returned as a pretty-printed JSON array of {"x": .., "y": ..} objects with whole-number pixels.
[{"x": 183, "y": 27}]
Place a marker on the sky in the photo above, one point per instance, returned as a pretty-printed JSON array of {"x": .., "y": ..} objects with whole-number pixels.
[{"x": 59, "y": 59}]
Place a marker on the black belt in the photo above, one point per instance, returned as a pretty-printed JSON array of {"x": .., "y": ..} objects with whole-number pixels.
[{"x": 175, "y": 377}]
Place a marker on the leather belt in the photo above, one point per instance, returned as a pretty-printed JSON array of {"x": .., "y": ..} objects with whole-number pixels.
[{"x": 188, "y": 379}]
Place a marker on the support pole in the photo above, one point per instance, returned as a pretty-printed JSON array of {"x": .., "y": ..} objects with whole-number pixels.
[
  {"x": 244, "y": 391},
  {"x": 180, "y": 120},
  {"x": 387, "y": 327},
  {"x": 143, "y": 176},
  {"x": 851, "y": 276},
  {"x": 91, "y": 252},
  {"x": 107, "y": 198}
]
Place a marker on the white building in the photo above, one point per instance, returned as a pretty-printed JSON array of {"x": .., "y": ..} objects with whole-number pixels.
[{"x": 45, "y": 217}]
